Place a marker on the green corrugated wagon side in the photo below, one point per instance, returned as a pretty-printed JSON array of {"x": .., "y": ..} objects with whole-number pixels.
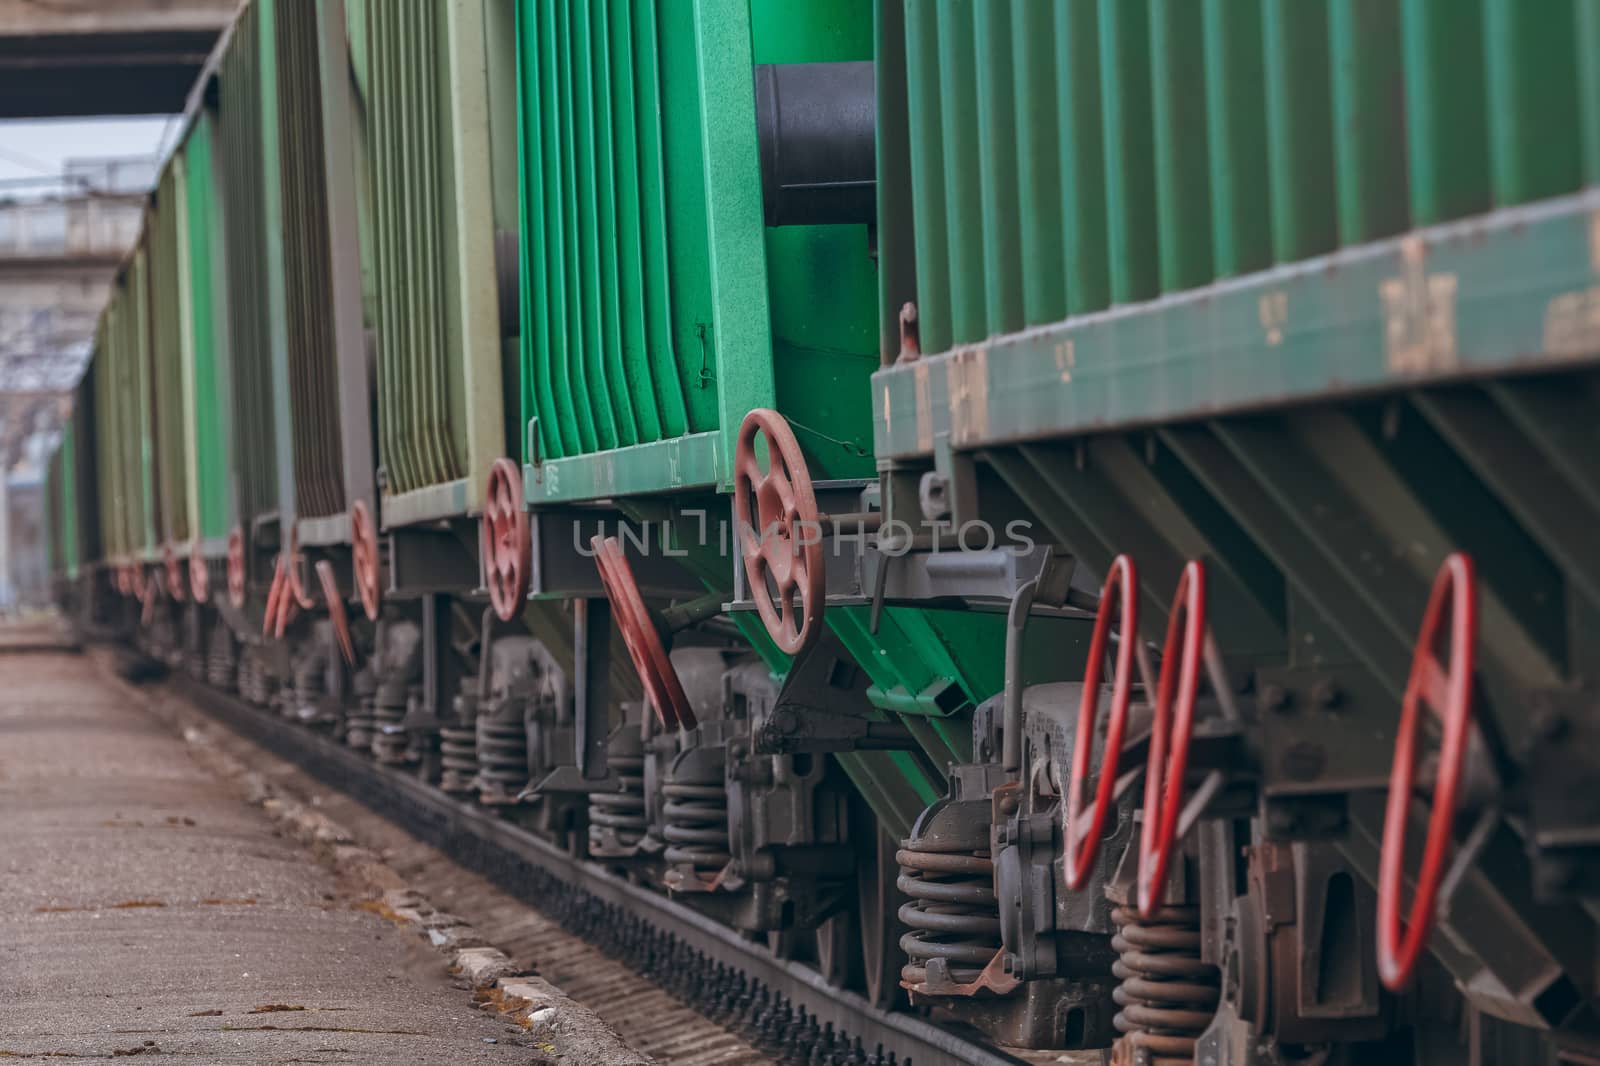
[
  {"x": 170, "y": 391},
  {"x": 306, "y": 398},
  {"x": 657, "y": 306},
  {"x": 242, "y": 211},
  {"x": 433, "y": 82},
  {"x": 205, "y": 337}
]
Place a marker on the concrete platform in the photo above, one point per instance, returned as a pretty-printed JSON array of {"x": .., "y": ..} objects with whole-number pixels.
[{"x": 146, "y": 908}]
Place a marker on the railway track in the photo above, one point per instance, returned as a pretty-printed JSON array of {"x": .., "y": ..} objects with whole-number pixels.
[{"x": 786, "y": 1010}]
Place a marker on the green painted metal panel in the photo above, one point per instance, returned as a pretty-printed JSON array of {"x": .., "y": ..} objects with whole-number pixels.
[
  {"x": 1126, "y": 108},
  {"x": 212, "y": 443},
  {"x": 168, "y": 409},
  {"x": 146, "y": 531},
  {"x": 433, "y": 268},
  {"x": 1446, "y": 128},
  {"x": 1300, "y": 128},
  {"x": 1532, "y": 74},
  {"x": 1083, "y": 162},
  {"x": 1039, "y": 187},
  {"x": 963, "y": 166},
  {"x": 1587, "y": 42},
  {"x": 656, "y": 306},
  {"x": 297, "y": 155},
  {"x": 1369, "y": 127},
  {"x": 998, "y": 176},
  {"x": 1507, "y": 293},
  {"x": 1213, "y": 139},
  {"x": 1236, "y": 126},
  {"x": 821, "y": 363},
  {"x": 241, "y": 204},
  {"x": 924, "y": 109},
  {"x": 1182, "y": 168}
]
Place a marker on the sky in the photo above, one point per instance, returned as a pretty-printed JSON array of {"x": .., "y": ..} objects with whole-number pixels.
[{"x": 30, "y": 149}]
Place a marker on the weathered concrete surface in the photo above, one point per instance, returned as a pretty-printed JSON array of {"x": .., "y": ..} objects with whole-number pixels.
[{"x": 146, "y": 908}]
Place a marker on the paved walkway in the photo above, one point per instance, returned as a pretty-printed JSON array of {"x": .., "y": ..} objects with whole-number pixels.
[{"x": 145, "y": 908}]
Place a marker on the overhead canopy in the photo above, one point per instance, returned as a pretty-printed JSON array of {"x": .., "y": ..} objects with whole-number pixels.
[{"x": 82, "y": 57}]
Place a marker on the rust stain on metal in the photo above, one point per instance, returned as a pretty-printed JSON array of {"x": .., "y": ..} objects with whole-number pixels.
[
  {"x": 1273, "y": 310},
  {"x": 1419, "y": 314},
  {"x": 968, "y": 383}
]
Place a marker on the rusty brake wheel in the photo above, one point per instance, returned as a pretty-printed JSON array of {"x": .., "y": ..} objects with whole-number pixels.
[
  {"x": 364, "y": 556},
  {"x": 779, "y": 531},
  {"x": 506, "y": 541},
  {"x": 1176, "y": 690},
  {"x": 1448, "y": 693}
]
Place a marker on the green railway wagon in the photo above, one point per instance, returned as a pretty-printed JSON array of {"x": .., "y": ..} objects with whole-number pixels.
[
  {"x": 1271, "y": 311},
  {"x": 211, "y": 500},
  {"x": 987, "y": 499},
  {"x": 171, "y": 380},
  {"x": 437, "y": 85},
  {"x": 241, "y": 109},
  {"x": 676, "y": 276}
]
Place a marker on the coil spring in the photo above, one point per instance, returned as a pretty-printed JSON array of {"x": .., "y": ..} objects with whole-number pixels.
[
  {"x": 617, "y": 820},
  {"x": 696, "y": 826},
  {"x": 502, "y": 759},
  {"x": 252, "y": 679},
  {"x": 221, "y": 664},
  {"x": 359, "y": 725},
  {"x": 952, "y": 913},
  {"x": 458, "y": 757},
  {"x": 220, "y": 672},
  {"x": 389, "y": 740},
  {"x": 1167, "y": 995}
]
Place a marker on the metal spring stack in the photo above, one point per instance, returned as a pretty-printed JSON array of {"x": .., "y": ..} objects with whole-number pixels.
[
  {"x": 952, "y": 916},
  {"x": 1167, "y": 995},
  {"x": 221, "y": 660},
  {"x": 695, "y": 817},
  {"x": 617, "y": 822},
  {"x": 458, "y": 745},
  {"x": 389, "y": 740},
  {"x": 358, "y": 716},
  {"x": 502, "y": 754},
  {"x": 254, "y": 684}
]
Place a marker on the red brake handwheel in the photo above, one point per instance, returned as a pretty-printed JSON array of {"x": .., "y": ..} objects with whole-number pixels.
[
  {"x": 236, "y": 568},
  {"x": 779, "y": 531},
  {"x": 1170, "y": 733},
  {"x": 364, "y": 556},
  {"x": 336, "y": 611},
  {"x": 199, "y": 574},
  {"x": 507, "y": 544},
  {"x": 1448, "y": 693},
  {"x": 650, "y": 660},
  {"x": 1080, "y": 848}
]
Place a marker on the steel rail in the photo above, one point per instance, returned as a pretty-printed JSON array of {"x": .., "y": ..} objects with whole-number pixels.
[{"x": 512, "y": 857}]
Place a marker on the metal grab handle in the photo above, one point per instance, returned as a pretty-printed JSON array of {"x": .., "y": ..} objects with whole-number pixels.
[
  {"x": 1172, "y": 729},
  {"x": 1448, "y": 693},
  {"x": 336, "y": 612},
  {"x": 1082, "y": 843},
  {"x": 650, "y": 660}
]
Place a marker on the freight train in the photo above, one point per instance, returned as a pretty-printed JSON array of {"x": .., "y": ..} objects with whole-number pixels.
[{"x": 1074, "y": 518}]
